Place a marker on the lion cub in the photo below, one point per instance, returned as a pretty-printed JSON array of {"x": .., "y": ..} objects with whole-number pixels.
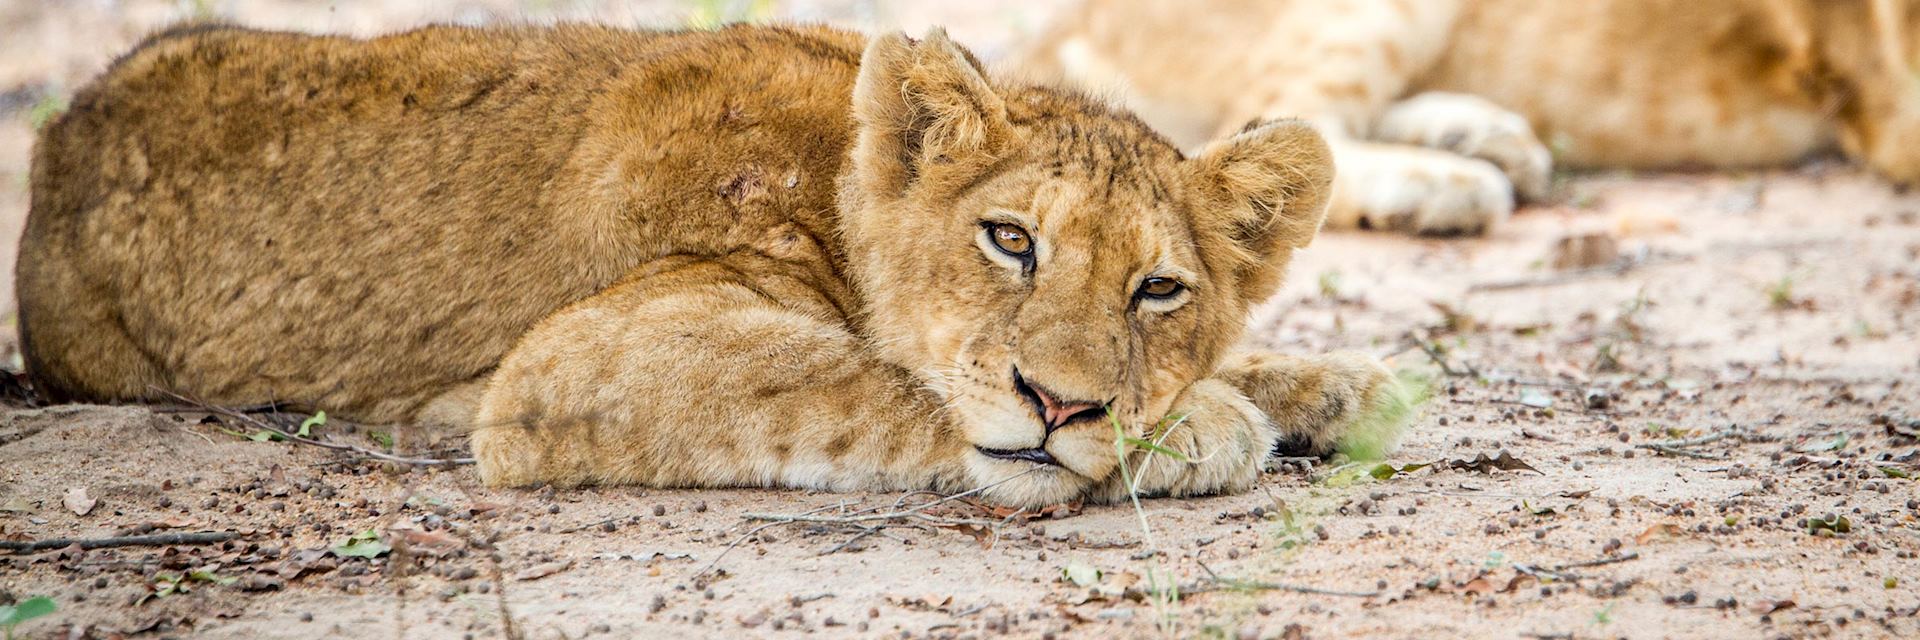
[{"x": 759, "y": 256}]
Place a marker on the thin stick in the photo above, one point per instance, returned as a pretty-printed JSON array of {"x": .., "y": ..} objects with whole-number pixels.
[
  {"x": 1440, "y": 359},
  {"x": 854, "y": 520},
  {"x": 1615, "y": 269},
  {"x": 777, "y": 519},
  {"x": 251, "y": 408},
  {"x": 1669, "y": 450},
  {"x": 1217, "y": 583},
  {"x": 1631, "y": 555},
  {"x": 290, "y": 437},
  {"x": 155, "y": 540},
  {"x": 1678, "y": 447},
  {"x": 1255, "y": 585},
  {"x": 862, "y": 536},
  {"x": 590, "y": 525},
  {"x": 1572, "y": 408},
  {"x": 736, "y": 542}
]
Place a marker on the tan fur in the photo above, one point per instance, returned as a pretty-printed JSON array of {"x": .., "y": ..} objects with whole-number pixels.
[
  {"x": 751, "y": 257},
  {"x": 1429, "y": 102}
]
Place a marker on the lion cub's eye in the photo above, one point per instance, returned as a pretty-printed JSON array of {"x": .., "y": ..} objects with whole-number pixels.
[
  {"x": 1161, "y": 288},
  {"x": 1010, "y": 239}
]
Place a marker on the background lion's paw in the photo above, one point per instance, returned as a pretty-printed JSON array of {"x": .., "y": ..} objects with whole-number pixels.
[
  {"x": 1475, "y": 127},
  {"x": 1418, "y": 190}
]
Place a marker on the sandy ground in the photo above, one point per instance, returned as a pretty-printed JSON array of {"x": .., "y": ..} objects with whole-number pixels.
[{"x": 1776, "y": 307}]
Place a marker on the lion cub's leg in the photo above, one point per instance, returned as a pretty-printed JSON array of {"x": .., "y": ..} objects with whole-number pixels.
[
  {"x": 1342, "y": 401},
  {"x": 708, "y": 374},
  {"x": 1472, "y": 126}
]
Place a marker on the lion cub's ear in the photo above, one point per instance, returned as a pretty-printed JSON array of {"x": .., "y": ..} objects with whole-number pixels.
[
  {"x": 924, "y": 113},
  {"x": 1270, "y": 185}
]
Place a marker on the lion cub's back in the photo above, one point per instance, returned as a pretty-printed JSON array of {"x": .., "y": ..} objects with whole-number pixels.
[{"x": 353, "y": 224}]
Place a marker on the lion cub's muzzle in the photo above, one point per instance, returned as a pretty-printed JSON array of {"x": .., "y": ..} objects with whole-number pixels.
[{"x": 1053, "y": 413}]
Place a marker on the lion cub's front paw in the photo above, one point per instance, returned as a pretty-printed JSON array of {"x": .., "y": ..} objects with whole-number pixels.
[
  {"x": 1223, "y": 437},
  {"x": 1340, "y": 402},
  {"x": 1473, "y": 126},
  {"x": 1417, "y": 190}
]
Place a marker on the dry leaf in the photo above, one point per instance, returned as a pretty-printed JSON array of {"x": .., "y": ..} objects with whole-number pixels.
[
  {"x": 425, "y": 542},
  {"x": 1657, "y": 532},
  {"x": 1484, "y": 464},
  {"x": 78, "y": 501},
  {"x": 1486, "y": 584},
  {"x": 483, "y": 506},
  {"x": 980, "y": 533},
  {"x": 1519, "y": 580}
]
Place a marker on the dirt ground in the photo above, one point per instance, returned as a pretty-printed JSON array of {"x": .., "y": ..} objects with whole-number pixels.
[{"x": 1760, "y": 323}]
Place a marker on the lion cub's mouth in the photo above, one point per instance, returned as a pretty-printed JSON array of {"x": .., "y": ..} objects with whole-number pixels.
[{"x": 1035, "y": 454}]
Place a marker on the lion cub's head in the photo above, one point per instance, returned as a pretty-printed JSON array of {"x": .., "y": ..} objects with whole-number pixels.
[{"x": 1041, "y": 261}]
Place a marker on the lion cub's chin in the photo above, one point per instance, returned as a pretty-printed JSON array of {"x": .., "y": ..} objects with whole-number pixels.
[{"x": 1025, "y": 484}]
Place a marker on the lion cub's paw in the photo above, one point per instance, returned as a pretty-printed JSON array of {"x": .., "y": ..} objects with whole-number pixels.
[
  {"x": 1475, "y": 127},
  {"x": 1418, "y": 190},
  {"x": 1223, "y": 437},
  {"x": 1341, "y": 402}
]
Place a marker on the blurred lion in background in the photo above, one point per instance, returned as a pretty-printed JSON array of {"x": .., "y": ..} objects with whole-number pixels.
[{"x": 1442, "y": 112}]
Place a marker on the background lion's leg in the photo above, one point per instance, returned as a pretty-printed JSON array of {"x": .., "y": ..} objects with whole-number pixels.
[
  {"x": 730, "y": 372},
  {"x": 1342, "y": 401}
]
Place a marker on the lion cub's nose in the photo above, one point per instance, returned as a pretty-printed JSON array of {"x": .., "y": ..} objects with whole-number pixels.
[{"x": 1053, "y": 411}]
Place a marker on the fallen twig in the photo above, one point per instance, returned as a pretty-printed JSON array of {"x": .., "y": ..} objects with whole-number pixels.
[
  {"x": 842, "y": 546},
  {"x": 1572, "y": 408},
  {"x": 863, "y": 518},
  {"x": 590, "y": 525},
  {"x": 1679, "y": 447},
  {"x": 1618, "y": 268},
  {"x": 1673, "y": 451},
  {"x": 1216, "y": 583},
  {"x": 1631, "y": 555},
  {"x": 1257, "y": 585},
  {"x": 155, "y": 540},
  {"x": 1441, "y": 360},
  {"x": 290, "y": 437},
  {"x": 1559, "y": 572}
]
